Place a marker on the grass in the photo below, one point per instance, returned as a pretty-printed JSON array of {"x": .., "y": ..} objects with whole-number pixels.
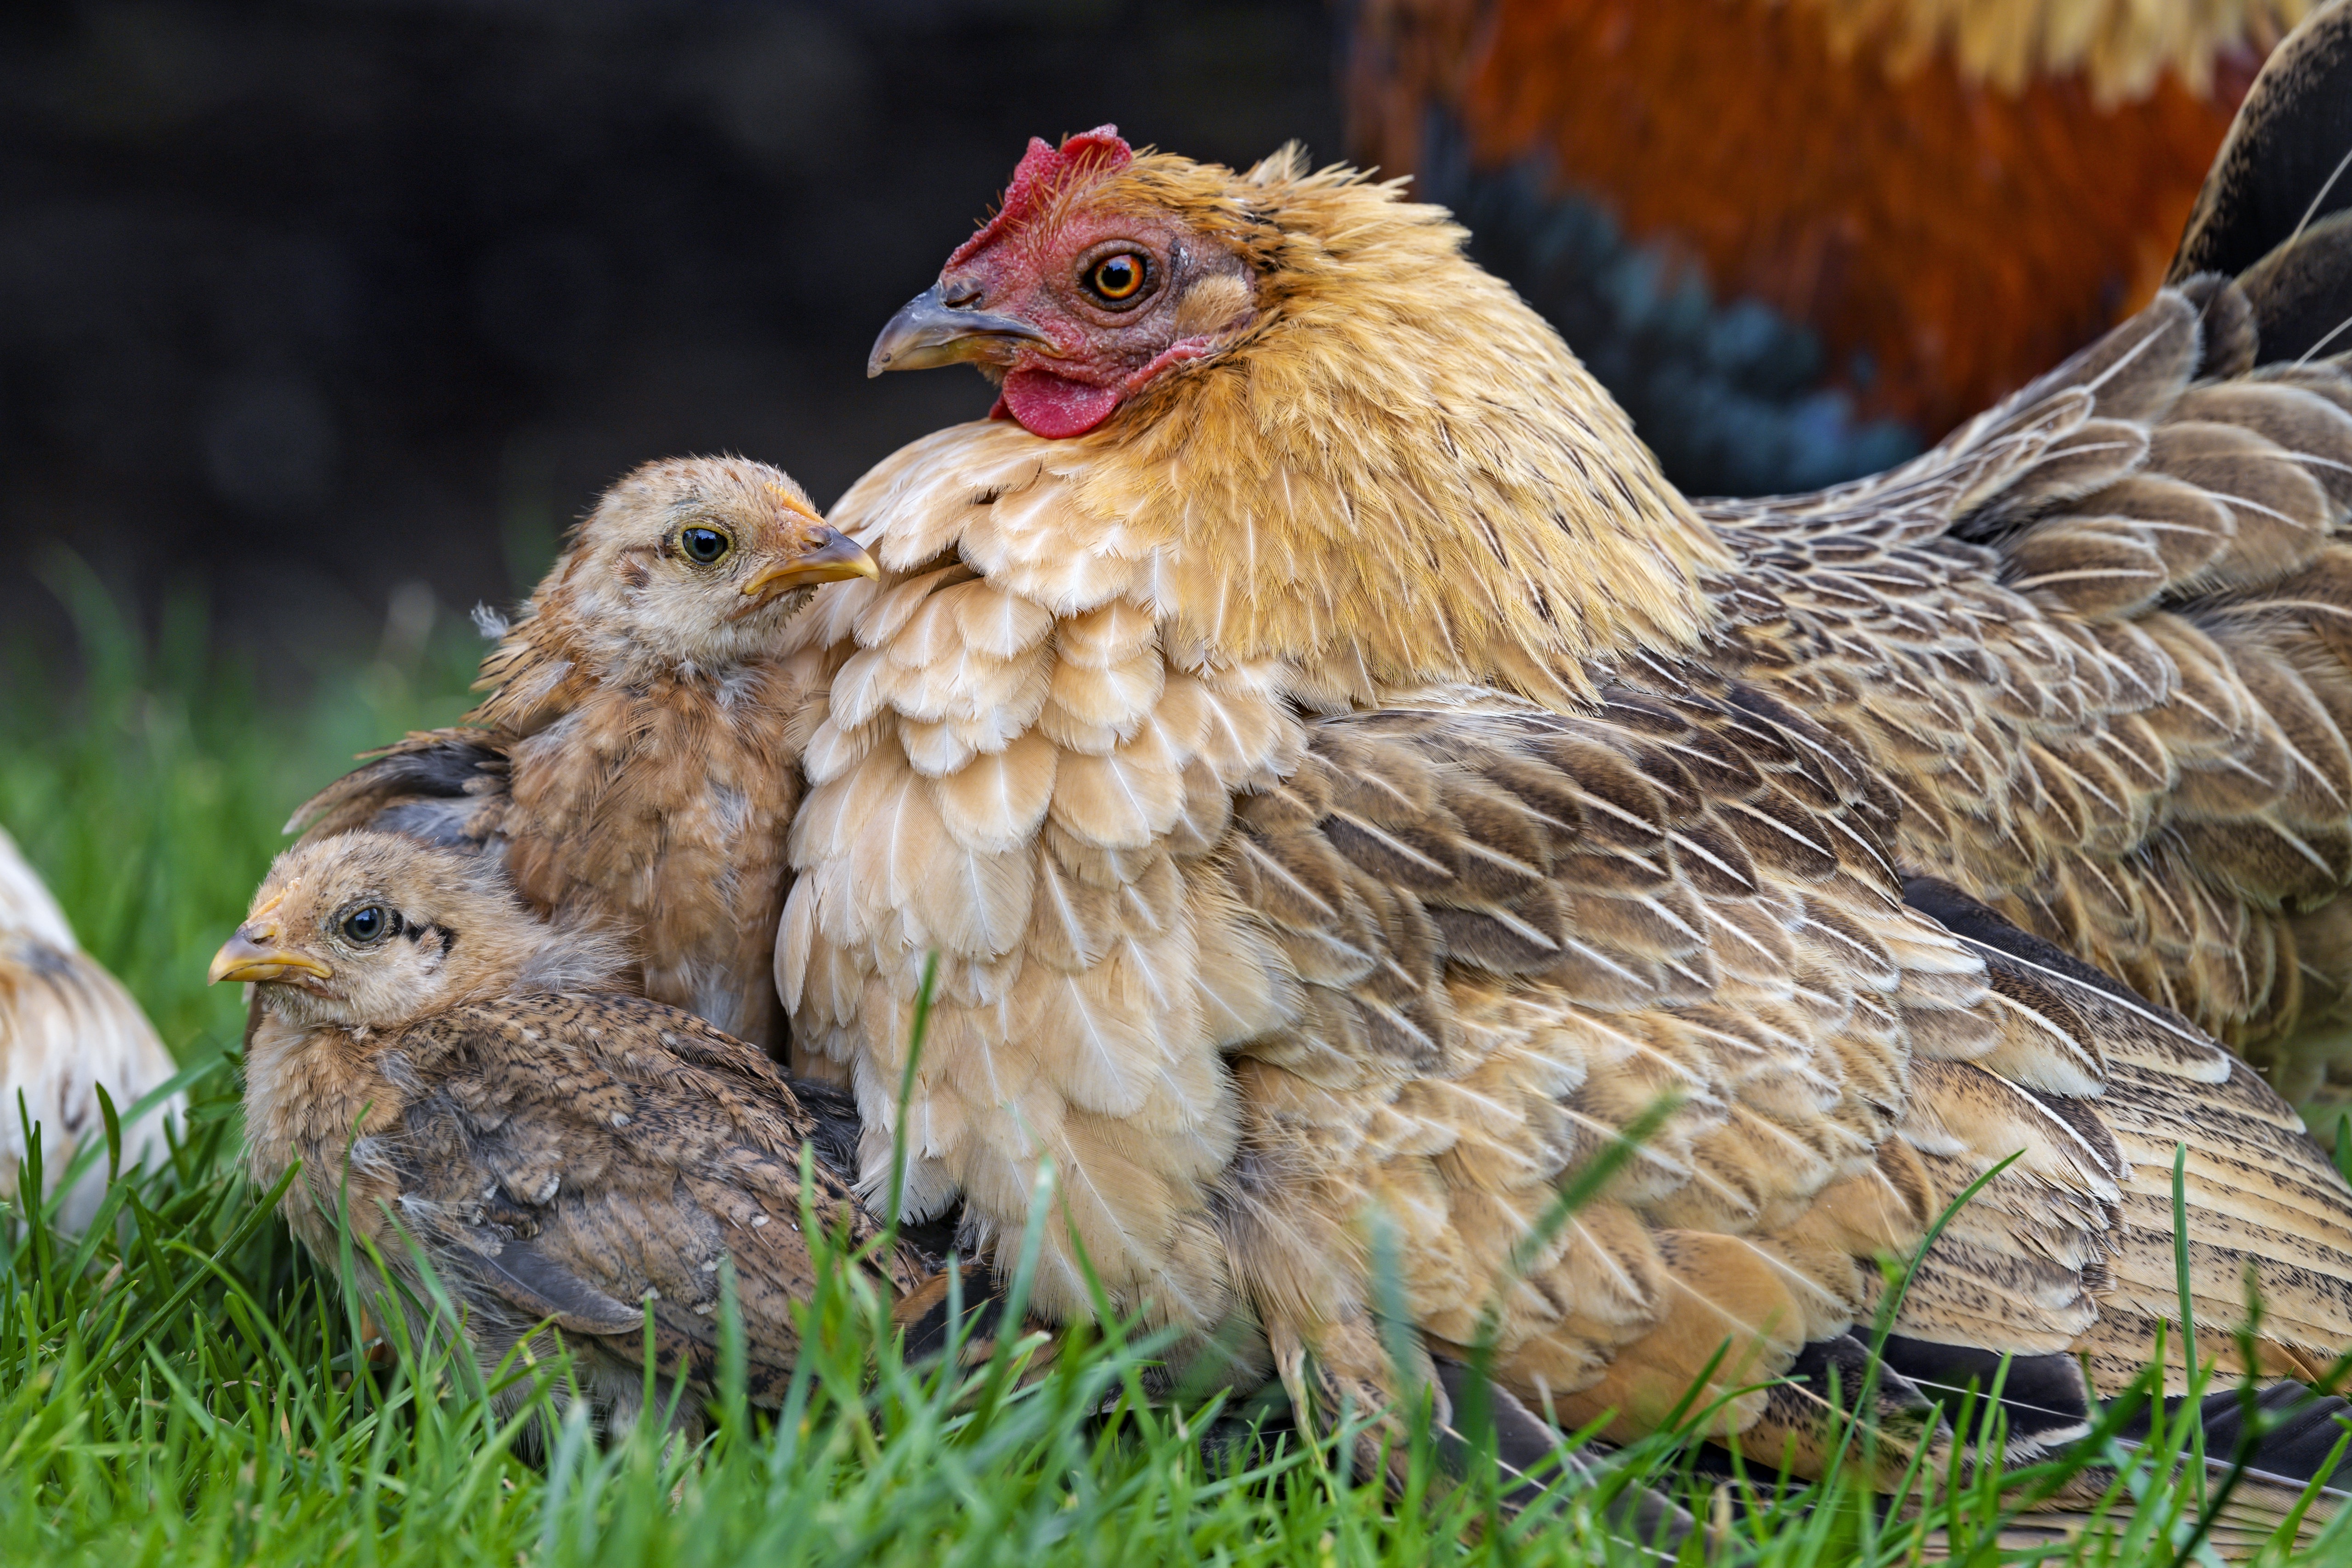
[{"x": 179, "y": 1385}]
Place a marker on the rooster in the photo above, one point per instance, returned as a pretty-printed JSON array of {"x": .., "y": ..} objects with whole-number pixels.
[
  {"x": 1762, "y": 224},
  {"x": 1345, "y": 789}
]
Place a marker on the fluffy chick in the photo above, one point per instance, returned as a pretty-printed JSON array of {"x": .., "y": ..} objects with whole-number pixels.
[
  {"x": 450, "y": 1071},
  {"x": 625, "y": 761}
]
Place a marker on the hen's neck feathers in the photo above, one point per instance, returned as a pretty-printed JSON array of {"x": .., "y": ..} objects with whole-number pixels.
[{"x": 1402, "y": 466}]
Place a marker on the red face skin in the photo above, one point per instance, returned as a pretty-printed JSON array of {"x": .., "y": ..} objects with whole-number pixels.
[{"x": 1052, "y": 259}]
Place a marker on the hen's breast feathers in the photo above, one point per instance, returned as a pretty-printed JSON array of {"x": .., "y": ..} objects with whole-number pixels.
[
  {"x": 2096, "y": 641},
  {"x": 1259, "y": 983}
]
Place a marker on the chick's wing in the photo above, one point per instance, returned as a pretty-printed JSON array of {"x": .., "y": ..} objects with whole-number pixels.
[
  {"x": 583, "y": 1158},
  {"x": 446, "y": 788}
]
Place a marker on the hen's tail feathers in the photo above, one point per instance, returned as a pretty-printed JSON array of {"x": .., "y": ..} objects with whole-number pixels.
[
  {"x": 2283, "y": 167},
  {"x": 1529, "y": 1459},
  {"x": 2296, "y": 1435},
  {"x": 2276, "y": 210}
]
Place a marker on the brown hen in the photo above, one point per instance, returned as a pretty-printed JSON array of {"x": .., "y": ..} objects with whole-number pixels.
[
  {"x": 450, "y": 1071},
  {"x": 2092, "y": 640},
  {"x": 1344, "y": 787},
  {"x": 624, "y": 762}
]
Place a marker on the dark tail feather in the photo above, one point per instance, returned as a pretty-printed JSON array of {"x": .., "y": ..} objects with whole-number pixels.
[
  {"x": 1987, "y": 928},
  {"x": 2283, "y": 167},
  {"x": 2302, "y": 292},
  {"x": 1528, "y": 1459},
  {"x": 2045, "y": 1400},
  {"x": 2297, "y": 1430}
]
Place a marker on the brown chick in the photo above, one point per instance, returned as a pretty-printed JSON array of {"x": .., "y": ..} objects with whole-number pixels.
[
  {"x": 456, "y": 1069},
  {"x": 624, "y": 762}
]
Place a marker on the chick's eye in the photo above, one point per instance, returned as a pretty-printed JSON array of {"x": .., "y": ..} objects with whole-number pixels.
[
  {"x": 703, "y": 545},
  {"x": 369, "y": 923},
  {"x": 1117, "y": 277}
]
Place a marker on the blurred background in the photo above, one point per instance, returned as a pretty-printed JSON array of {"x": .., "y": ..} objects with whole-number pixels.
[
  {"x": 332, "y": 311},
  {"x": 329, "y": 314}
]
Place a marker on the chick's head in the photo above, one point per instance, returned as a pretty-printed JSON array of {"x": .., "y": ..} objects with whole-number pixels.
[
  {"x": 695, "y": 562},
  {"x": 368, "y": 931}
]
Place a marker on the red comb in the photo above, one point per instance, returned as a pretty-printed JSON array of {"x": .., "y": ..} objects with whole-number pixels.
[{"x": 1041, "y": 170}]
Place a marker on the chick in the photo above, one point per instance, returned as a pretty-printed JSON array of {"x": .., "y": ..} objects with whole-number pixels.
[
  {"x": 629, "y": 760},
  {"x": 454, "y": 1073}
]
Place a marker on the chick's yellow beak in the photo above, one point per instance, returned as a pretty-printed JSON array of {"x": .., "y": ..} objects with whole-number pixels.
[
  {"x": 826, "y": 555},
  {"x": 256, "y": 953}
]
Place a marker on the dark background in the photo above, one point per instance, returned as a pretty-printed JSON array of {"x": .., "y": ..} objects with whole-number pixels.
[{"x": 304, "y": 304}]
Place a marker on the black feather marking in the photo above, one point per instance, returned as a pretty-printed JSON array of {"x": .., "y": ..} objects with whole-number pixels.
[
  {"x": 2308, "y": 1424},
  {"x": 1965, "y": 917},
  {"x": 2301, "y": 294},
  {"x": 834, "y": 1126},
  {"x": 2282, "y": 168},
  {"x": 543, "y": 1288},
  {"x": 1526, "y": 1447},
  {"x": 2044, "y": 1397},
  {"x": 442, "y": 770},
  {"x": 925, "y": 1317}
]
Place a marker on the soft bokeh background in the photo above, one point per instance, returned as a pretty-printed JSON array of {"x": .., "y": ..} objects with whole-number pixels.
[
  {"x": 329, "y": 314},
  {"x": 320, "y": 319}
]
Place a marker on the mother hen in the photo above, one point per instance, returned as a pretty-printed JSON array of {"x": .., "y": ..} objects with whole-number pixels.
[{"x": 1344, "y": 785}]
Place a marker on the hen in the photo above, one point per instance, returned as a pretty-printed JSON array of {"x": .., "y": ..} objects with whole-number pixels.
[
  {"x": 2091, "y": 641},
  {"x": 67, "y": 1029},
  {"x": 440, "y": 1060},
  {"x": 1339, "y": 783},
  {"x": 622, "y": 761}
]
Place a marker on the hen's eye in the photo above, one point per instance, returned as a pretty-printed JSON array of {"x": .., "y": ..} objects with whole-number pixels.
[
  {"x": 703, "y": 545},
  {"x": 369, "y": 923},
  {"x": 1117, "y": 277}
]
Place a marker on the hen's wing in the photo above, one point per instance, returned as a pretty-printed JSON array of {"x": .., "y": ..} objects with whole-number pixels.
[
  {"x": 2100, "y": 640},
  {"x": 66, "y": 1026},
  {"x": 583, "y": 1157},
  {"x": 1514, "y": 933}
]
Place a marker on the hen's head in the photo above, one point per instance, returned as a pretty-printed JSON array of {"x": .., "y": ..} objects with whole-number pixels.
[
  {"x": 1100, "y": 273},
  {"x": 693, "y": 561},
  {"x": 371, "y": 931}
]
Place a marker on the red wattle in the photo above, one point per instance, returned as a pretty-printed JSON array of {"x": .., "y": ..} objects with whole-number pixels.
[{"x": 1055, "y": 406}]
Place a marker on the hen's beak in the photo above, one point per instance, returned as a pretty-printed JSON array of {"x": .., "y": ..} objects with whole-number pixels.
[
  {"x": 929, "y": 331},
  {"x": 256, "y": 953},
  {"x": 834, "y": 557}
]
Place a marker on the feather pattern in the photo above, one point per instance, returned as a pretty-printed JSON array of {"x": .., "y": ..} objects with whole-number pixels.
[
  {"x": 1438, "y": 800},
  {"x": 67, "y": 1029}
]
